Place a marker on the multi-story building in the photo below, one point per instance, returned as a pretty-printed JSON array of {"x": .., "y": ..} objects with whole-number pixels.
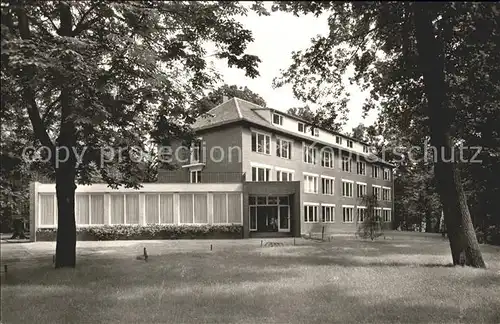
[{"x": 298, "y": 178}]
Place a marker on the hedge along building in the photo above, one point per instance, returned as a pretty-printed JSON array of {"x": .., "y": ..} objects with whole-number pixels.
[
  {"x": 269, "y": 173},
  {"x": 171, "y": 204},
  {"x": 223, "y": 206}
]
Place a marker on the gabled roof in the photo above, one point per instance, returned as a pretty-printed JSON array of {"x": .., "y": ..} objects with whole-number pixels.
[{"x": 236, "y": 109}]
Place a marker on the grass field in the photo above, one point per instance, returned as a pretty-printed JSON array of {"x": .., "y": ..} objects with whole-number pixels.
[{"x": 405, "y": 280}]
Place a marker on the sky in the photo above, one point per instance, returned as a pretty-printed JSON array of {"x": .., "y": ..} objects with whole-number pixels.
[{"x": 275, "y": 38}]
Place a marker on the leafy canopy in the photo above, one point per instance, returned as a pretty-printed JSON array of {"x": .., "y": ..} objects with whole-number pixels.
[{"x": 118, "y": 73}]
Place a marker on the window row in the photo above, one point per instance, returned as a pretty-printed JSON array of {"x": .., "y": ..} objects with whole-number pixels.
[
  {"x": 264, "y": 173},
  {"x": 158, "y": 209},
  {"x": 314, "y": 211},
  {"x": 382, "y": 193},
  {"x": 261, "y": 143},
  {"x": 311, "y": 184},
  {"x": 327, "y": 161},
  {"x": 268, "y": 200},
  {"x": 381, "y": 214},
  {"x": 278, "y": 119}
]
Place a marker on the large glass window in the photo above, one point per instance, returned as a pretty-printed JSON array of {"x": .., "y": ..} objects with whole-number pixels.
[
  {"x": 283, "y": 148},
  {"x": 261, "y": 143},
  {"x": 310, "y": 213},
  {"x": 310, "y": 183}
]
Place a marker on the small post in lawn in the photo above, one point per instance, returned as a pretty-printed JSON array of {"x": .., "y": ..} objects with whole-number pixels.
[
  {"x": 322, "y": 233},
  {"x": 260, "y": 243},
  {"x": 210, "y": 247},
  {"x": 294, "y": 241},
  {"x": 5, "y": 267}
]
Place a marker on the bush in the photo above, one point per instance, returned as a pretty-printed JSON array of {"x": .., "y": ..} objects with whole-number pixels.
[
  {"x": 147, "y": 232},
  {"x": 480, "y": 235},
  {"x": 490, "y": 235}
]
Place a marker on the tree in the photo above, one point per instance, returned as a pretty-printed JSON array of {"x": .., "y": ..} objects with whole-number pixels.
[
  {"x": 372, "y": 224},
  {"x": 424, "y": 64},
  {"x": 215, "y": 97},
  {"x": 370, "y": 134},
  {"x": 319, "y": 117},
  {"x": 94, "y": 76}
]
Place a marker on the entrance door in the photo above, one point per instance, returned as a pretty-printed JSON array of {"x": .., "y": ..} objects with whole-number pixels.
[
  {"x": 267, "y": 219},
  {"x": 269, "y": 213},
  {"x": 284, "y": 219}
]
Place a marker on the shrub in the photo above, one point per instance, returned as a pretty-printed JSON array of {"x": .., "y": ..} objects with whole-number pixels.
[
  {"x": 489, "y": 235},
  {"x": 372, "y": 225},
  {"x": 480, "y": 235},
  {"x": 150, "y": 231},
  {"x": 492, "y": 235}
]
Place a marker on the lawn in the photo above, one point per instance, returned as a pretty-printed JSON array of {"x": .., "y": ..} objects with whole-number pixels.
[{"x": 403, "y": 280}]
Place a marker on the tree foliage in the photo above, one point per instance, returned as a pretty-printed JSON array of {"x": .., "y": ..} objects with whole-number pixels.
[
  {"x": 215, "y": 97},
  {"x": 320, "y": 117},
  {"x": 97, "y": 74},
  {"x": 429, "y": 67},
  {"x": 372, "y": 225}
]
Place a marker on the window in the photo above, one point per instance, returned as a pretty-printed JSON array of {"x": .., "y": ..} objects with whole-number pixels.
[
  {"x": 310, "y": 213},
  {"x": 196, "y": 176},
  {"x": 301, "y": 127},
  {"x": 375, "y": 171},
  {"x": 346, "y": 164},
  {"x": 349, "y": 143},
  {"x": 361, "y": 211},
  {"x": 386, "y": 213},
  {"x": 272, "y": 200},
  {"x": 283, "y": 148},
  {"x": 261, "y": 143},
  {"x": 261, "y": 173},
  {"x": 338, "y": 140},
  {"x": 327, "y": 185},
  {"x": 195, "y": 152},
  {"x": 386, "y": 194},
  {"x": 361, "y": 168},
  {"x": 284, "y": 175},
  {"x": 361, "y": 189},
  {"x": 378, "y": 213},
  {"x": 347, "y": 188},
  {"x": 365, "y": 149},
  {"x": 327, "y": 158},
  {"x": 387, "y": 174},
  {"x": 327, "y": 213},
  {"x": 376, "y": 192},
  {"x": 347, "y": 214},
  {"x": 314, "y": 131},
  {"x": 310, "y": 183},
  {"x": 309, "y": 154},
  {"x": 278, "y": 119}
]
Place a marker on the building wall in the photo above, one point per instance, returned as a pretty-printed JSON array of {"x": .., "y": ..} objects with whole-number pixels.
[
  {"x": 292, "y": 189},
  {"x": 297, "y": 164},
  {"x": 229, "y": 157},
  {"x": 99, "y": 205},
  {"x": 290, "y": 125},
  {"x": 240, "y": 135},
  {"x": 221, "y": 155}
]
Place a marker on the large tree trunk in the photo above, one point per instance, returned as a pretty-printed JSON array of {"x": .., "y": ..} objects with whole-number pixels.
[
  {"x": 449, "y": 186},
  {"x": 65, "y": 163},
  {"x": 66, "y": 225}
]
